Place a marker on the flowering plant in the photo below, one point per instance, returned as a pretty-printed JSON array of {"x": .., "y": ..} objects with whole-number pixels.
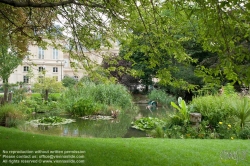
[{"x": 226, "y": 130}]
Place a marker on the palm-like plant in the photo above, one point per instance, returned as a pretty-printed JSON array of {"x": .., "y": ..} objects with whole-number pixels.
[{"x": 242, "y": 110}]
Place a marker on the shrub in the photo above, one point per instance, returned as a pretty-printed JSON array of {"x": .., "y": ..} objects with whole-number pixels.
[
  {"x": 244, "y": 133},
  {"x": 226, "y": 130},
  {"x": 229, "y": 90},
  {"x": 69, "y": 81},
  {"x": 54, "y": 96},
  {"x": 85, "y": 107},
  {"x": 107, "y": 96},
  {"x": 158, "y": 132},
  {"x": 18, "y": 95},
  {"x": 10, "y": 115},
  {"x": 213, "y": 108}
]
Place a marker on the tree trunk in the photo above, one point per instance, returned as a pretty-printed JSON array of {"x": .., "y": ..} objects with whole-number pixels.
[
  {"x": 6, "y": 90},
  {"x": 46, "y": 95},
  {"x": 10, "y": 97}
]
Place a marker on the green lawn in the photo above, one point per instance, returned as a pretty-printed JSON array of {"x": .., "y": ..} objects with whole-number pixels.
[{"x": 128, "y": 151}]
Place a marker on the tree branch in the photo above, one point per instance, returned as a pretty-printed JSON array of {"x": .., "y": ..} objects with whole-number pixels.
[
  {"x": 36, "y": 4},
  {"x": 45, "y": 4}
]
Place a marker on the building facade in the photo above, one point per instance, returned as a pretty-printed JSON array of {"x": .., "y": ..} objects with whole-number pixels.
[{"x": 52, "y": 62}]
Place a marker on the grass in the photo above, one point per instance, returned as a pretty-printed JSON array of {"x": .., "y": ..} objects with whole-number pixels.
[{"x": 133, "y": 151}]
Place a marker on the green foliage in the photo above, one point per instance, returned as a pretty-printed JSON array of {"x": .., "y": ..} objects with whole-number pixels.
[
  {"x": 46, "y": 85},
  {"x": 213, "y": 108},
  {"x": 241, "y": 108},
  {"x": 112, "y": 94},
  {"x": 158, "y": 132},
  {"x": 108, "y": 96},
  {"x": 229, "y": 90},
  {"x": 226, "y": 130},
  {"x": 10, "y": 115},
  {"x": 9, "y": 59},
  {"x": 147, "y": 123},
  {"x": 175, "y": 131},
  {"x": 68, "y": 81},
  {"x": 54, "y": 96},
  {"x": 183, "y": 110},
  {"x": 161, "y": 97},
  {"x": 244, "y": 133},
  {"x": 35, "y": 103},
  {"x": 85, "y": 107},
  {"x": 18, "y": 95},
  {"x": 51, "y": 120}
]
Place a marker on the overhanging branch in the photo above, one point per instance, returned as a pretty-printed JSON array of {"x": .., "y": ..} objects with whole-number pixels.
[
  {"x": 45, "y": 4},
  {"x": 29, "y": 3}
]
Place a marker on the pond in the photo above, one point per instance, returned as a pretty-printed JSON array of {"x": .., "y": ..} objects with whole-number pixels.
[{"x": 119, "y": 127}]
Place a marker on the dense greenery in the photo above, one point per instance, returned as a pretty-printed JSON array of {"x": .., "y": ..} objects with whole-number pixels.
[
  {"x": 89, "y": 98},
  {"x": 161, "y": 97},
  {"x": 156, "y": 35},
  {"x": 68, "y": 81},
  {"x": 147, "y": 123},
  {"x": 46, "y": 85},
  {"x": 11, "y": 115},
  {"x": 225, "y": 116}
]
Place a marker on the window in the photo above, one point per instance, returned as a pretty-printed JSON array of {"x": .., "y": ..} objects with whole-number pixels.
[
  {"x": 55, "y": 69},
  {"x": 40, "y": 69},
  {"x": 40, "y": 53},
  {"x": 55, "y": 53},
  {"x": 26, "y": 68},
  {"x": 25, "y": 79},
  {"x": 76, "y": 78},
  {"x": 55, "y": 77}
]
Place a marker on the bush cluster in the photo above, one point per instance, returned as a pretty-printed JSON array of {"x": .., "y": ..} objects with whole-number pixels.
[
  {"x": 10, "y": 115},
  {"x": 224, "y": 116},
  {"x": 88, "y": 98}
]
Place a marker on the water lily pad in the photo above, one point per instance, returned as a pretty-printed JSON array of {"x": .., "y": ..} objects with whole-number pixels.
[{"x": 38, "y": 122}]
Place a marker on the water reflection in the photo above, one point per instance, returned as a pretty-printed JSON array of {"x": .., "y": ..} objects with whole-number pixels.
[{"x": 119, "y": 127}]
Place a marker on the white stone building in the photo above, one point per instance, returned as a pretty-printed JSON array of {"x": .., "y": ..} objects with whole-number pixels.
[{"x": 55, "y": 62}]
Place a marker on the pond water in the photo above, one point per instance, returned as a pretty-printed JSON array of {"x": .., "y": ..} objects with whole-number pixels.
[{"x": 119, "y": 127}]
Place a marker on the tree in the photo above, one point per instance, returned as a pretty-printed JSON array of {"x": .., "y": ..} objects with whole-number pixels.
[
  {"x": 220, "y": 27},
  {"x": 120, "y": 69},
  {"x": 9, "y": 60},
  {"x": 47, "y": 85}
]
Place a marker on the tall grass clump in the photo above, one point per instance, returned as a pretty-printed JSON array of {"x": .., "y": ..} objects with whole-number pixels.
[
  {"x": 241, "y": 110},
  {"x": 90, "y": 98},
  {"x": 10, "y": 116},
  {"x": 161, "y": 97},
  {"x": 216, "y": 108},
  {"x": 213, "y": 109}
]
